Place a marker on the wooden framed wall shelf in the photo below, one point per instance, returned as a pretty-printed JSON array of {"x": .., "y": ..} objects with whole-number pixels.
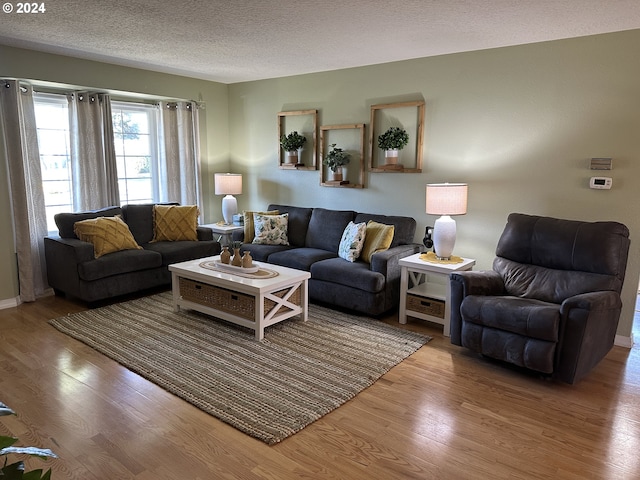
[
  {"x": 351, "y": 139},
  {"x": 305, "y": 122},
  {"x": 407, "y": 115}
]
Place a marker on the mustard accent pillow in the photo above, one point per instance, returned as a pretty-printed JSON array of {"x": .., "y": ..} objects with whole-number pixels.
[
  {"x": 173, "y": 223},
  {"x": 249, "y": 223},
  {"x": 107, "y": 234},
  {"x": 377, "y": 239}
]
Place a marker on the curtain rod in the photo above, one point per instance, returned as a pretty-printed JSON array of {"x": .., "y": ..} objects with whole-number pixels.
[{"x": 118, "y": 95}]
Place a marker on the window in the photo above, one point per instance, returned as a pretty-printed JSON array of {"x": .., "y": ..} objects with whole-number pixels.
[
  {"x": 135, "y": 129},
  {"x": 136, "y": 143},
  {"x": 52, "y": 120}
]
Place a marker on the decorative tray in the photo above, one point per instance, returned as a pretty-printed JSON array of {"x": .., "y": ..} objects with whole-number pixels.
[{"x": 233, "y": 268}]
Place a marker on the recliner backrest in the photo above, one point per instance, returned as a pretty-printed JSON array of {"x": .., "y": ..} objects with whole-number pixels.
[{"x": 552, "y": 259}]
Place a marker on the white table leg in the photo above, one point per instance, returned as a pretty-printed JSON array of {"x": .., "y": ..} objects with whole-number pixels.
[
  {"x": 175, "y": 292},
  {"x": 404, "y": 280}
]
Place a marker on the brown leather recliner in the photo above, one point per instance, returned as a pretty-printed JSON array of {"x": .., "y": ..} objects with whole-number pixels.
[{"x": 552, "y": 301}]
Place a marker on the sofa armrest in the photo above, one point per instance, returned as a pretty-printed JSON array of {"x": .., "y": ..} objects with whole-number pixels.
[
  {"x": 589, "y": 322},
  {"x": 204, "y": 233},
  {"x": 62, "y": 256},
  {"x": 386, "y": 261}
]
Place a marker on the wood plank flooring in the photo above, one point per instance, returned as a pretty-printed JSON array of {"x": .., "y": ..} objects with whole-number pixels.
[{"x": 443, "y": 413}]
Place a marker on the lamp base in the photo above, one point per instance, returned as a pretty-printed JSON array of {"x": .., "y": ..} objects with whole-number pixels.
[
  {"x": 444, "y": 237},
  {"x": 229, "y": 208}
]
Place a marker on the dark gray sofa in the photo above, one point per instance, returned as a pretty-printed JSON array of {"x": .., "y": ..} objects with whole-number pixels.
[
  {"x": 314, "y": 237},
  {"x": 73, "y": 270}
]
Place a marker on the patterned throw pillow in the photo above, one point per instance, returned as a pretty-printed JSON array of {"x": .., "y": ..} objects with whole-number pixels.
[
  {"x": 378, "y": 238},
  {"x": 352, "y": 241},
  {"x": 174, "y": 223},
  {"x": 271, "y": 229},
  {"x": 249, "y": 223},
  {"x": 107, "y": 234}
]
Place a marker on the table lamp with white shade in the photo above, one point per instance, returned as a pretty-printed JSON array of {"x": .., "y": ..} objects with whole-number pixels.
[
  {"x": 228, "y": 184},
  {"x": 445, "y": 199}
]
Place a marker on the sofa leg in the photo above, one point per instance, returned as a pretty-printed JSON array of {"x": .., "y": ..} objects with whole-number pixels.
[{"x": 59, "y": 293}]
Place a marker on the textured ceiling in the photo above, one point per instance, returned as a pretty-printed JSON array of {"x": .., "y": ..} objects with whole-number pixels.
[{"x": 239, "y": 40}]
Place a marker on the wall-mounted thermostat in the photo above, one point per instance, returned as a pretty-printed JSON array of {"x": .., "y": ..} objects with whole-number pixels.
[{"x": 602, "y": 183}]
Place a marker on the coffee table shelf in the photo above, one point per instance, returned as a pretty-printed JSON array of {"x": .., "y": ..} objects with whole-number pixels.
[{"x": 252, "y": 303}]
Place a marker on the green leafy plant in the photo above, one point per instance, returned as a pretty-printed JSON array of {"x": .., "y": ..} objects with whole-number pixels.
[
  {"x": 15, "y": 471},
  {"x": 235, "y": 244},
  {"x": 336, "y": 158},
  {"x": 292, "y": 142},
  {"x": 393, "y": 138}
]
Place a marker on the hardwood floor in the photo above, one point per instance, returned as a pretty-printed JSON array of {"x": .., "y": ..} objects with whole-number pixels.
[{"x": 443, "y": 413}]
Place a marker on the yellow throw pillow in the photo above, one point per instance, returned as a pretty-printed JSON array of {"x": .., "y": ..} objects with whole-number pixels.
[
  {"x": 107, "y": 234},
  {"x": 377, "y": 239},
  {"x": 249, "y": 223},
  {"x": 174, "y": 223}
]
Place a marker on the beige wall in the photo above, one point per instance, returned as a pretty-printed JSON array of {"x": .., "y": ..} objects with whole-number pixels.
[{"x": 518, "y": 124}]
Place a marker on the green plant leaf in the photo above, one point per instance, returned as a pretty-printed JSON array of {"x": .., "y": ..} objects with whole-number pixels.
[
  {"x": 7, "y": 442},
  {"x": 37, "y": 475},
  {"x": 14, "y": 471}
]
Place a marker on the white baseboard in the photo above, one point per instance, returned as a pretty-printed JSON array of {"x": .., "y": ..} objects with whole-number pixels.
[
  {"x": 626, "y": 342},
  {"x": 9, "y": 303}
]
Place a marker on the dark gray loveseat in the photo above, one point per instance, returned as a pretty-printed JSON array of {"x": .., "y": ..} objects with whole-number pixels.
[
  {"x": 73, "y": 270},
  {"x": 314, "y": 236}
]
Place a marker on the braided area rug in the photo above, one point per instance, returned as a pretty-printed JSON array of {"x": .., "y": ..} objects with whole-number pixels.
[{"x": 270, "y": 389}]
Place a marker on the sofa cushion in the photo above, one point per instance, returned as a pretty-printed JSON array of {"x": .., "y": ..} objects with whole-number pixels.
[
  {"x": 139, "y": 217},
  {"x": 300, "y": 258},
  {"x": 261, "y": 253},
  {"x": 116, "y": 263},
  {"x": 66, "y": 221},
  {"x": 326, "y": 227},
  {"x": 298, "y": 223},
  {"x": 355, "y": 275},
  {"x": 404, "y": 228},
  {"x": 174, "y": 223},
  {"x": 527, "y": 317},
  {"x": 271, "y": 229},
  {"x": 378, "y": 237},
  {"x": 106, "y": 234},
  {"x": 181, "y": 251},
  {"x": 352, "y": 241},
  {"x": 249, "y": 226}
]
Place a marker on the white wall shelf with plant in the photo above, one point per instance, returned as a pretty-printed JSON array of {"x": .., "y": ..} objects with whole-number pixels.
[
  {"x": 395, "y": 137},
  {"x": 337, "y": 143},
  {"x": 297, "y": 131}
]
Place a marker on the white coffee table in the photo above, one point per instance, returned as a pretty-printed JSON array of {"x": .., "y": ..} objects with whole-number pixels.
[{"x": 250, "y": 302}]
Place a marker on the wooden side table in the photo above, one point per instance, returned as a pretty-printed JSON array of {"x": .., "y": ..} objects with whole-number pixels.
[
  {"x": 425, "y": 292},
  {"x": 224, "y": 231}
]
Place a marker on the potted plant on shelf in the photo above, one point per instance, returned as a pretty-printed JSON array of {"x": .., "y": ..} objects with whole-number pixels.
[
  {"x": 336, "y": 160},
  {"x": 391, "y": 141},
  {"x": 292, "y": 144}
]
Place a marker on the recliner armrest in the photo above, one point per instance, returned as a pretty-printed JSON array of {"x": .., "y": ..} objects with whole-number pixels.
[
  {"x": 481, "y": 282},
  {"x": 587, "y": 332},
  {"x": 604, "y": 300}
]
